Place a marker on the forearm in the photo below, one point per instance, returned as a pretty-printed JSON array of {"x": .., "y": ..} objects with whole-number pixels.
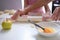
[
  {"x": 38, "y": 4},
  {"x": 46, "y": 8}
]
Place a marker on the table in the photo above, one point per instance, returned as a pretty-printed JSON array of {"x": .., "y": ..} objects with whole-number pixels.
[{"x": 23, "y": 31}]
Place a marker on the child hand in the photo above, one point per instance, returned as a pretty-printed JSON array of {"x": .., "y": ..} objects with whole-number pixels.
[
  {"x": 56, "y": 14},
  {"x": 47, "y": 16}
]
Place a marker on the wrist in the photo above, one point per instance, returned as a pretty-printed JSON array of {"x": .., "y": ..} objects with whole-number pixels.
[
  {"x": 27, "y": 9},
  {"x": 25, "y": 12}
]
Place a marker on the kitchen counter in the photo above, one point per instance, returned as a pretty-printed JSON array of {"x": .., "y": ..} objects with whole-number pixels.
[{"x": 23, "y": 31}]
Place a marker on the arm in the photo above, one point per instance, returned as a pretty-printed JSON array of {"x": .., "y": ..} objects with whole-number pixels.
[
  {"x": 25, "y": 3},
  {"x": 47, "y": 14},
  {"x": 47, "y": 8},
  {"x": 39, "y": 3}
]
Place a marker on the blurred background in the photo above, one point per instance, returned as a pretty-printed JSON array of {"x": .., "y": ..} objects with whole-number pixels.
[
  {"x": 14, "y": 4},
  {"x": 10, "y": 4},
  {"x": 19, "y": 4}
]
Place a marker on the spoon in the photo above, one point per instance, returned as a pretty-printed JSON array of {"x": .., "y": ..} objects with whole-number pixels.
[{"x": 36, "y": 24}]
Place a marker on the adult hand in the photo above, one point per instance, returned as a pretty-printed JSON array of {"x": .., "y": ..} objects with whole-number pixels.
[
  {"x": 18, "y": 13},
  {"x": 56, "y": 14}
]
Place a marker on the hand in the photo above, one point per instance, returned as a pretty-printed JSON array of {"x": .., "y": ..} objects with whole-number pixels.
[
  {"x": 47, "y": 16},
  {"x": 56, "y": 14},
  {"x": 18, "y": 13}
]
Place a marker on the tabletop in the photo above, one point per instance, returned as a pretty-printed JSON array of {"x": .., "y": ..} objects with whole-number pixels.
[{"x": 23, "y": 31}]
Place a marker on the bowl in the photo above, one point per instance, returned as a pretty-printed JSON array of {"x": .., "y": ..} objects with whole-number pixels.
[{"x": 55, "y": 26}]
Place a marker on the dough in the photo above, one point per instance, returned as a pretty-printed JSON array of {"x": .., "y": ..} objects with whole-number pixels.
[
  {"x": 12, "y": 12},
  {"x": 1, "y": 12},
  {"x": 6, "y": 11}
]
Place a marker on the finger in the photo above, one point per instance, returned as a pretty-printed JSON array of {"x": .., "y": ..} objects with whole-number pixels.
[
  {"x": 56, "y": 11},
  {"x": 59, "y": 17},
  {"x": 55, "y": 18},
  {"x": 15, "y": 16}
]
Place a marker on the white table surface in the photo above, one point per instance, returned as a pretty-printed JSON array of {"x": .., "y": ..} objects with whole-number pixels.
[{"x": 23, "y": 31}]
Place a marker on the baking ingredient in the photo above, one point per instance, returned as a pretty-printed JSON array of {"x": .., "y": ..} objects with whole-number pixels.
[{"x": 49, "y": 30}]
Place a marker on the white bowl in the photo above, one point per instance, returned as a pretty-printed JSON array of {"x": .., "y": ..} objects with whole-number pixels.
[{"x": 52, "y": 25}]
